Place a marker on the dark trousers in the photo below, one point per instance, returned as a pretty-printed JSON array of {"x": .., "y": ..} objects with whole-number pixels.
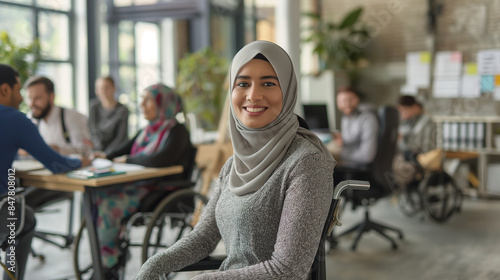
[{"x": 23, "y": 244}]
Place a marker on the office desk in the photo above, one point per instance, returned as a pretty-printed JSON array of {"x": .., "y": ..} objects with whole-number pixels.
[{"x": 60, "y": 182}]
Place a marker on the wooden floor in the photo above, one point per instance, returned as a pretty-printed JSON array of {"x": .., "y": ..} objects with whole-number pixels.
[{"x": 467, "y": 247}]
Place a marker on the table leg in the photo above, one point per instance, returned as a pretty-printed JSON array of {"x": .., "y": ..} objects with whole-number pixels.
[{"x": 94, "y": 242}]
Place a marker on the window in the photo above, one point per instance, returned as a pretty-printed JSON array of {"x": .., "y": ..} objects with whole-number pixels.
[
  {"x": 51, "y": 22},
  {"x": 138, "y": 65}
]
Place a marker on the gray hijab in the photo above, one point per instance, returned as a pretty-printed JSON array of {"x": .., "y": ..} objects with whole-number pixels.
[{"x": 257, "y": 151}]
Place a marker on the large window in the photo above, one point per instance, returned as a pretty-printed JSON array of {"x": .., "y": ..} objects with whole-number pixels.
[
  {"x": 51, "y": 21},
  {"x": 137, "y": 64}
]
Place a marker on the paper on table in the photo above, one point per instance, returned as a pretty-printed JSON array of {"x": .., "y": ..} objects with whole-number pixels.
[
  {"x": 125, "y": 167},
  {"x": 27, "y": 165},
  {"x": 101, "y": 163}
]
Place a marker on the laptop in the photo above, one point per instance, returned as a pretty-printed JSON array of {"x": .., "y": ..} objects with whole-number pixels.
[{"x": 316, "y": 116}]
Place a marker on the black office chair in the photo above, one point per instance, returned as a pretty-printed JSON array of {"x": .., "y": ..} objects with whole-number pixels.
[
  {"x": 379, "y": 174},
  {"x": 318, "y": 268}
]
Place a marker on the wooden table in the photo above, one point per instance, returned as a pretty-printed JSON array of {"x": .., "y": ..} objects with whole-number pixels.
[{"x": 60, "y": 182}]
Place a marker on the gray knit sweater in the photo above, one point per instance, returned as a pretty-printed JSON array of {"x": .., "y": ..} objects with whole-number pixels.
[{"x": 272, "y": 233}]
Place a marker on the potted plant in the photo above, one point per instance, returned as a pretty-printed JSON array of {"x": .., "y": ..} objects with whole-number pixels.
[
  {"x": 201, "y": 83},
  {"x": 339, "y": 46},
  {"x": 24, "y": 58}
]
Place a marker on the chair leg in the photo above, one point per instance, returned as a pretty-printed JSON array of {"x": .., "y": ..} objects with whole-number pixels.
[
  {"x": 366, "y": 225},
  {"x": 68, "y": 238}
]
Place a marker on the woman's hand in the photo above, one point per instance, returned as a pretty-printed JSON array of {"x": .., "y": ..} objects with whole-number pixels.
[
  {"x": 86, "y": 161},
  {"x": 122, "y": 159},
  {"x": 99, "y": 154}
]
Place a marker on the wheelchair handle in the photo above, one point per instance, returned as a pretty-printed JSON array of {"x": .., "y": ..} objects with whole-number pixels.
[
  {"x": 352, "y": 185},
  {"x": 342, "y": 186}
]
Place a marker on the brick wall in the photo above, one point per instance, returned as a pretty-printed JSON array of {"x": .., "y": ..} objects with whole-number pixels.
[{"x": 400, "y": 26}]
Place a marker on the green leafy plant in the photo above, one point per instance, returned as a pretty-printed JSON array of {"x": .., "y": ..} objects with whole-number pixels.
[
  {"x": 339, "y": 46},
  {"x": 24, "y": 58},
  {"x": 201, "y": 83}
]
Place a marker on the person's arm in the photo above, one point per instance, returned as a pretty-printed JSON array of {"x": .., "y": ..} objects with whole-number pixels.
[
  {"x": 30, "y": 140},
  {"x": 305, "y": 208},
  {"x": 121, "y": 130},
  {"x": 426, "y": 135},
  {"x": 170, "y": 153},
  {"x": 192, "y": 248},
  {"x": 124, "y": 149},
  {"x": 367, "y": 149}
]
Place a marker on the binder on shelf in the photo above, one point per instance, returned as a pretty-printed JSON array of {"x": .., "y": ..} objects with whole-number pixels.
[
  {"x": 471, "y": 135},
  {"x": 446, "y": 136},
  {"x": 454, "y": 136},
  {"x": 480, "y": 135},
  {"x": 463, "y": 135}
]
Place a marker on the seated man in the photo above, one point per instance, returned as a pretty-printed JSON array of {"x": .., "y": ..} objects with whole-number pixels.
[
  {"x": 65, "y": 130},
  {"x": 356, "y": 145},
  {"x": 19, "y": 132},
  {"x": 416, "y": 135}
]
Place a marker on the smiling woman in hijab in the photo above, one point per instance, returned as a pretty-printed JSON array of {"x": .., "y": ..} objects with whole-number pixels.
[
  {"x": 163, "y": 142},
  {"x": 271, "y": 200}
]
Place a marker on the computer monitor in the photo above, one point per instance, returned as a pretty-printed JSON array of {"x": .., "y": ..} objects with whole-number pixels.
[{"x": 316, "y": 116}]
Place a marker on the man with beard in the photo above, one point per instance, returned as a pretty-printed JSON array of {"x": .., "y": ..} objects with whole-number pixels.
[
  {"x": 358, "y": 140},
  {"x": 64, "y": 129}
]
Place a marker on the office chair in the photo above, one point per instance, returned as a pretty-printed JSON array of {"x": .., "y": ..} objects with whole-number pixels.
[
  {"x": 41, "y": 207},
  {"x": 318, "y": 268},
  {"x": 378, "y": 173}
]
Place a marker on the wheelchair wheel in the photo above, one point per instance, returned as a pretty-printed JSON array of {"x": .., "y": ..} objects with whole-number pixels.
[
  {"x": 82, "y": 258},
  {"x": 12, "y": 275},
  {"x": 440, "y": 196},
  {"x": 410, "y": 201},
  {"x": 82, "y": 263},
  {"x": 172, "y": 219}
]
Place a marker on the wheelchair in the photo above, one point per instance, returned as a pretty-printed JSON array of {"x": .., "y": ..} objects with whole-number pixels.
[
  {"x": 318, "y": 268},
  {"x": 165, "y": 215},
  {"x": 433, "y": 193}
]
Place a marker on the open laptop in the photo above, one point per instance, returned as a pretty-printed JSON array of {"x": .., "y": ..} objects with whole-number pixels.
[{"x": 316, "y": 116}]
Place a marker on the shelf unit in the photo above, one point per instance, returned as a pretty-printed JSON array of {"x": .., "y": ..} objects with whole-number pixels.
[{"x": 488, "y": 156}]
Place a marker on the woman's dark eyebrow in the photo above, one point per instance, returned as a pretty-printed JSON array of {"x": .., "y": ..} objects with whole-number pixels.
[
  {"x": 262, "y": 78},
  {"x": 269, "y": 77}
]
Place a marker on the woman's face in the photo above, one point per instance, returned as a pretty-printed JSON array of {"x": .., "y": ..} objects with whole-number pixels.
[
  {"x": 148, "y": 106},
  {"x": 104, "y": 89},
  {"x": 257, "y": 98}
]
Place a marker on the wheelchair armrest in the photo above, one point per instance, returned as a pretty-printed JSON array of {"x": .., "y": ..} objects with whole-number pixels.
[
  {"x": 177, "y": 183},
  {"x": 208, "y": 263},
  {"x": 344, "y": 185}
]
